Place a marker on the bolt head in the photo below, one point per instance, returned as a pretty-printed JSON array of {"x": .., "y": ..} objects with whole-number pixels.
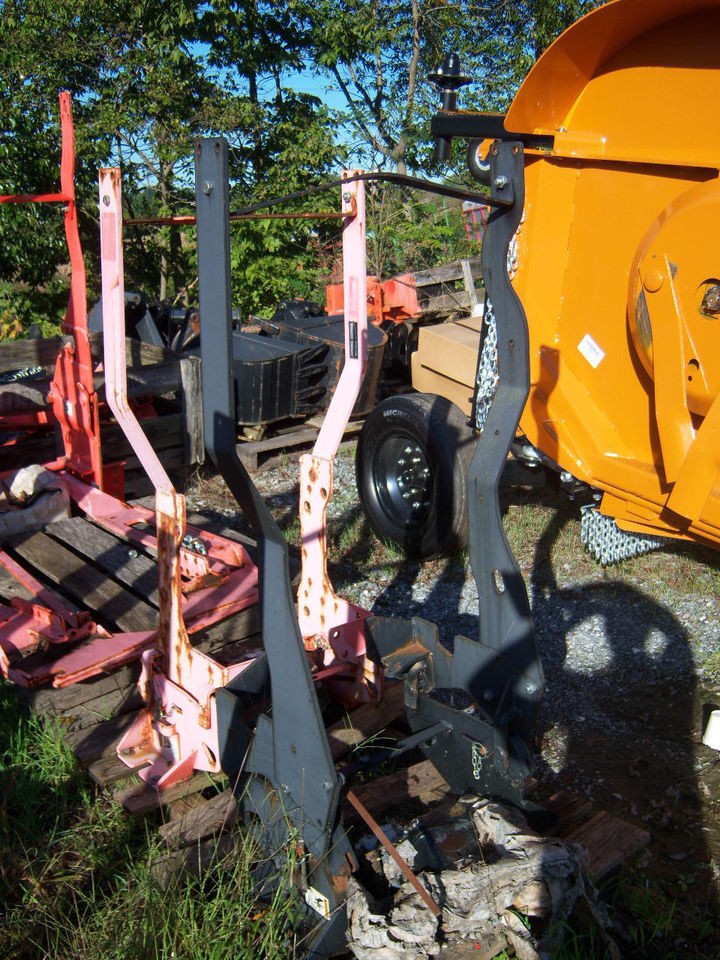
[{"x": 500, "y": 182}]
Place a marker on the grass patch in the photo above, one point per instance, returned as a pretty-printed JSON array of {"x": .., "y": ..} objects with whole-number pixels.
[{"x": 76, "y": 877}]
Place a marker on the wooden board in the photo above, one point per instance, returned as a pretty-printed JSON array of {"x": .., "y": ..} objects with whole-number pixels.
[
  {"x": 110, "y": 603},
  {"x": 116, "y": 557},
  {"x": 609, "y": 841},
  {"x": 257, "y": 454},
  {"x": 366, "y": 721},
  {"x": 141, "y": 799},
  {"x": 217, "y": 814},
  {"x": 420, "y": 782}
]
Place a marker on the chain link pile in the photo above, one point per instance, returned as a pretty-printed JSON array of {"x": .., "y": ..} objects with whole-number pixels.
[{"x": 607, "y": 543}]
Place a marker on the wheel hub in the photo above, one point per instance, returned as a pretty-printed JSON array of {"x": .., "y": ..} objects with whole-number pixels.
[{"x": 403, "y": 479}]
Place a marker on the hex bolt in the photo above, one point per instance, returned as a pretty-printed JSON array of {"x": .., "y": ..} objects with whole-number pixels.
[
  {"x": 347, "y": 197},
  {"x": 106, "y": 200},
  {"x": 208, "y": 187},
  {"x": 530, "y": 687},
  {"x": 501, "y": 182},
  {"x": 327, "y": 786}
]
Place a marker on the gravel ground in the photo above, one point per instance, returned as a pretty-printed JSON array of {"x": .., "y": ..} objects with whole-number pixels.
[{"x": 631, "y": 656}]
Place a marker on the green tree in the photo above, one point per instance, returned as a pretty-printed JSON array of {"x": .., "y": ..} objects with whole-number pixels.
[{"x": 378, "y": 54}]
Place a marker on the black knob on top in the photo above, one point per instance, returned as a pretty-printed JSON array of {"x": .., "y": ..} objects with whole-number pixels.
[{"x": 448, "y": 79}]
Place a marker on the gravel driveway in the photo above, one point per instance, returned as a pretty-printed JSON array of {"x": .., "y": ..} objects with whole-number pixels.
[{"x": 631, "y": 656}]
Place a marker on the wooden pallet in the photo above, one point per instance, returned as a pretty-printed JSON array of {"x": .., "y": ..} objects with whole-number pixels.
[
  {"x": 267, "y": 453},
  {"x": 116, "y": 582}
]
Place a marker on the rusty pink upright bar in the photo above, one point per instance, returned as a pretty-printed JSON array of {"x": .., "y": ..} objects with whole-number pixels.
[
  {"x": 176, "y": 733},
  {"x": 331, "y": 627}
]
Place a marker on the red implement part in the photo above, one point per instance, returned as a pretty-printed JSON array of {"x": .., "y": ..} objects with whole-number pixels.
[
  {"x": 393, "y": 300},
  {"x": 72, "y": 393},
  {"x": 212, "y": 581}
]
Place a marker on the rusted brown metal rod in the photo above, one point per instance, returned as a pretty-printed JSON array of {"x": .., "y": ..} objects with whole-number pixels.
[{"x": 390, "y": 847}]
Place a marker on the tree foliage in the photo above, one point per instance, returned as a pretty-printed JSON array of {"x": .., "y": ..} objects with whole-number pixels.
[{"x": 147, "y": 78}]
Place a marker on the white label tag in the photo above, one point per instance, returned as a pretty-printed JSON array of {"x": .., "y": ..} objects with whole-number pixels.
[
  {"x": 591, "y": 350},
  {"x": 319, "y": 903}
]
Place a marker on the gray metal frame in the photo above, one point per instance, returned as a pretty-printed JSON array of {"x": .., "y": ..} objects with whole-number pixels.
[
  {"x": 289, "y": 778},
  {"x": 470, "y": 709}
]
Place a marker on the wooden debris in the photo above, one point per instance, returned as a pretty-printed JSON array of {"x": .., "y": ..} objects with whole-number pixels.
[
  {"x": 263, "y": 454},
  {"x": 214, "y": 816},
  {"x": 609, "y": 841},
  {"x": 366, "y": 721},
  {"x": 140, "y": 798},
  {"x": 420, "y": 782}
]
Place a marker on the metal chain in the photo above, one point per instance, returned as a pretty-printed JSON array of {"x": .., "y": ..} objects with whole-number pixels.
[
  {"x": 487, "y": 374},
  {"x": 27, "y": 373},
  {"x": 608, "y": 544}
]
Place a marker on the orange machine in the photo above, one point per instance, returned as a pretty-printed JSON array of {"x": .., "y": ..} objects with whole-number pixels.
[
  {"x": 618, "y": 260},
  {"x": 617, "y": 264}
]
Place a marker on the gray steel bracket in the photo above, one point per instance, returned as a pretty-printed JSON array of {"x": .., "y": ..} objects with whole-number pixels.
[
  {"x": 288, "y": 758},
  {"x": 486, "y": 689}
]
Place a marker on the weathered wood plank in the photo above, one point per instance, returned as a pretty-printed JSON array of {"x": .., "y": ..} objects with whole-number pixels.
[
  {"x": 110, "y": 554},
  {"x": 88, "y": 714},
  {"x": 446, "y": 302},
  {"x": 110, "y": 603},
  {"x": 192, "y": 400},
  {"x": 162, "y": 432},
  {"x": 10, "y": 587},
  {"x": 141, "y": 799},
  {"x": 256, "y": 453},
  {"x": 109, "y": 769},
  {"x": 367, "y": 720},
  {"x": 609, "y": 841},
  {"x": 217, "y": 814},
  {"x": 100, "y": 741},
  {"x": 16, "y": 354},
  {"x": 570, "y": 811},
  {"x": 420, "y": 782},
  {"x": 195, "y": 859},
  {"x": 48, "y": 700},
  {"x": 447, "y": 273},
  {"x": 43, "y": 352}
]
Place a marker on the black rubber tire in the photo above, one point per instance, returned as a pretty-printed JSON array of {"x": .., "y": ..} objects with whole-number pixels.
[
  {"x": 480, "y": 170},
  {"x": 424, "y": 518}
]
